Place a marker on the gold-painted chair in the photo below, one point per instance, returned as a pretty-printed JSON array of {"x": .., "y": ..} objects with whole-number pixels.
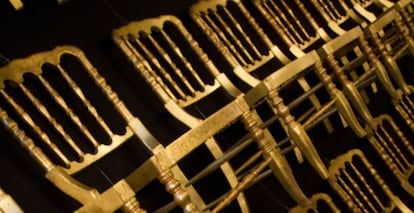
[
  {"x": 41, "y": 93},
  {"x": 390, "y": 47},
  {"x": 240, "y": 40},
  {"x": 8, "y": 204},
  {"x": 315, "y": 206},
  {"x": 162, "y": 51},
  {"x": 383, "y": 133},
  {"x": 135, "y": 41},
  {"x": 293, "y": 32},
  {"x": 359, "y": 185}
]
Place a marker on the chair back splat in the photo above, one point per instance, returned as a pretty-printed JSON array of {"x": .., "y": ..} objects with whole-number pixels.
[
  {"x": 300, "y": 34},
  {"x": 44, "y": 95},
  {"x": 240, "y": 40},
  {"x": 164, "y": 53},
  {"x": 360, "y": 186}
]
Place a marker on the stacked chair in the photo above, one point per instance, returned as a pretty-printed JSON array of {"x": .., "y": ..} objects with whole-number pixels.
[
  {"x": 131, "y": 40},
  {"x": 273, "y": 99},
  {"x": 24, "y": 101},
  {"x": 244, "y": 44},
  {"x": 391, "y": 45}
]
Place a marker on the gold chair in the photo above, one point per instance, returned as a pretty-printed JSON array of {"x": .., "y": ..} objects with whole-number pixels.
[
  {"x": 241, "y": 41},
  {"x": 135, "y": 41},
  {"x": 317, "y": 199},
  {"x": 383, "y": 133},
  {"x": 7, "y": 203},
  {"x": 171, "y": 73},
  {"x": 360, "y": 186},
  {"x": 391, "y": 46},
  {"x": 293, "y": 31},
  {"x": 42, "y": 95}
]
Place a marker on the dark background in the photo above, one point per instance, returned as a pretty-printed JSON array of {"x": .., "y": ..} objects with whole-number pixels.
[{"x": 42, "y": 25}]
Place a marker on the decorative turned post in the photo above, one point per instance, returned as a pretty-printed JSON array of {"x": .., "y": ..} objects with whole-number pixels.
[
  {"x": 297, "y": 133},
  {"x": 132, "y": 206},
  {"x": 181, "y": 196}
]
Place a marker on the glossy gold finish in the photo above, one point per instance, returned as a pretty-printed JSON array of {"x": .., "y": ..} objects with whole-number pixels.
[
  {"x": 313, "y": 207},
  {"x": 136, "y": 49},
  {"x": 7, "y": 203},
  {"x": 175, "y": 78},
  {"x": 390, "y": 46},
  {"x": 58, "y": 175},
  {"x": 358, "y": 184},
  {"x": 242, "y": 50},
  {"x": 383, "y": 134}
]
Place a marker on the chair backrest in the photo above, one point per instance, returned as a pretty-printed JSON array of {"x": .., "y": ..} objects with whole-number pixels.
[
  {"x": 121, "y": 193},
  {"x": 321, "y": 202},
  {"x": 7, "y": 203},
  {"x": 359, "y": 185},
  {"x": 170, "y": 60},
  {"x": 41, "y": 93},
  {"x": 293, "y": 23},
  {"x": 240, "y": 40},
  {"x": 177, "y": 69},
  {"x": 236, "y": 34},
  {"x": 45, "y": 92}
]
